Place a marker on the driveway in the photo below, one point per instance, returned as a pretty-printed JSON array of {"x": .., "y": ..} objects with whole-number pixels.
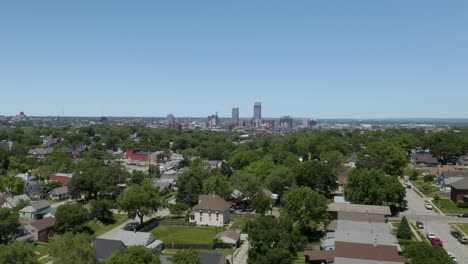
[{"x": 436, "y": 223}]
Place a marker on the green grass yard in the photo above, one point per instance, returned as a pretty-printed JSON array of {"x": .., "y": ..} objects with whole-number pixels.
[
  {"x": 448, "y": 206},
  {"x": 99, "y": 230},
  {"x": 239, "y": 223},
  {"x": 186, "y": 234}
]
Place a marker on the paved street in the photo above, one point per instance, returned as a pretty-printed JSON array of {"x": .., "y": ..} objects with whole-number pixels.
[{"x": 437, "y": 224}]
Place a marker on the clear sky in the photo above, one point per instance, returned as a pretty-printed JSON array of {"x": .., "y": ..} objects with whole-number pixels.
[{"x": 305, "y": 58}]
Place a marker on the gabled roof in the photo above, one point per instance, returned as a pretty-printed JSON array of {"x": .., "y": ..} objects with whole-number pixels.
[
  {"x": 461, "y": 184},
  {"x": 130, "y": 238},
  {"x": 59, "y": 190},
  {"x": 212, "y": 202},
  {"x": 40, "y": 204},
  {"x": 231, "y": 234},
  {"x": 106, "y": 247},
  {"x": 44, "y": 223},
  {"x": 368, "y": 252},
  {"x": 359, "y": 208},
  {"x": 13, "y": 201}
]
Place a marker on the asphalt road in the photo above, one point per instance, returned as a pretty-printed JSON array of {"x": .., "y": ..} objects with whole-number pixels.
[{"x": 437, "y": 224}]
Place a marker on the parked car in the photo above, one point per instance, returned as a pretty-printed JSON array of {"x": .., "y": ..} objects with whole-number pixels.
[
  {"x": 455, "y": 234},
  {"x": 463, "y": 215},
  {"x": 408, "y": 186},
  {"x": 419, "y": 224},
  {"x": 453, "y": 258},
  {"x": 430, "y": 235},
  {"x": 462, "y": 239},
  {"x": 435, "y": 241},
  {"x": 428, "y": 206}
]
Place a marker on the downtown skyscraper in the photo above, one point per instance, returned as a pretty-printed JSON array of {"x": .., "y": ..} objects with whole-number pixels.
[
  {"x": 257, "y": 117},
  {"x": 235, "y": 116}
]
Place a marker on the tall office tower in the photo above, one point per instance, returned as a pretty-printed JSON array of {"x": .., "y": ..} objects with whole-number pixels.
[
  {"x": 257, "y": 118},
  {"x": 286, "y": 122},
  {"x": 305, "y": 123},
  {"x": 170, "y": 119},
  {"x": 235, "y": 116}
]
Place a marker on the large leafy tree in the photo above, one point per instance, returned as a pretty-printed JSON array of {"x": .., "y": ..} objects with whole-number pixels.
[
  {"x": 273, "y": 240},
  {"x": 190, "y": 186},
  {"x": 370, "y": 186},
  {"x": 133, "y": 255},
  {"x": 72, "y": 249},
  {"x": 317, "y": 175},
  {"x": 305, "y": 207},
  {"x": 186, "y": 256},
  {"x": 423, "y": 253},
  {"x": 139, "y": 200},
  {"x": 218, "y": 184},
  {"x": 8, "y": 225},
  {"x": 391, "y": 158},
  {"x": 279, "y": 179},
  {"x": 70, "y": 217},
  {"x": 96, "y": 182},
  {"x": 246, "y": 183},
  {"x": 18, "y": 252},
  {"x": 100, "y": 210},
  {"x": 261, "y": 168}
]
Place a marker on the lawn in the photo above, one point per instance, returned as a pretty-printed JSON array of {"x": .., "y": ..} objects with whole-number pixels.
[
  {"x": 225, "y": 251},
  {"x": 239, "y": 223},
  {"x": 448, "y": 206},
  {"x": 99, "y": 230},
  {"x": 42, "y": 248},
  {"x": 186, "y": 234},
  {"x": 425, "y": 188},
  {"x": 463, "y": 227}
]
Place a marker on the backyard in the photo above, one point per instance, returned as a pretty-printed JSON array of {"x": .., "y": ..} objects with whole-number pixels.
[
  {"x": 101, "y": 229},
  {"x": 186, "y": 234},
  {"x": 426, "y": 188}
]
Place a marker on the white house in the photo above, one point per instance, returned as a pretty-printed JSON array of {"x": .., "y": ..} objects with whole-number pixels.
[
  {"x": 211, "y": 210},
  {"x": 12, "y": 202}
]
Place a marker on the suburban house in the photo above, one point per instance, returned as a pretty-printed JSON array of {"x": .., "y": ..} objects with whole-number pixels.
[
  {"x": 463, "y": 160},
  {"x": 211, "y": 210},
  {"x": 36, "y": 210},
  {"x": 59, "y": 193},
  {"x": 40, "y": 153},
  {"x": 359, "y": 235},
  {"x": 49, "y": 141},
  {"x": 213, "y": 164},
  {"x": 42, "y": 229},
  {"x": 229, "y": 237},
  {"x": 423, "y": 159},
  {"x": 459, "y": 191},
  {"x": 139, "y": 155},
  {"x": 106, "y": 247},
  {"x": 64, "y": 178},
  {"x": 130, "y": 238},
  {"x": 448, "y": 178},
  {"x": 12, "y": 201}
]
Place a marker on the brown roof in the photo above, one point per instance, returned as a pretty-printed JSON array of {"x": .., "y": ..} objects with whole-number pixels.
[
  {"x": 367, "y": 251},
  {"x": 427, "y": 160},
  {"x": 231, "y": 234},
  {"x": 360, "y": 217},
  {"x": 320, "y": 255},
  {"x": 43, "y": 224},
  {"x": 359, "y": 208},
  {"x": 212, "y": 202}
]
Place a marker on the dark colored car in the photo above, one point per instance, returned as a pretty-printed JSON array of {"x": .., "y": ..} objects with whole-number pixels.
[
  {"x": 455, "y": 234},
  {"x": 419, "y": 224},
  {"x": 408, "y": 186},
  {"x": 463, "y": 215}
]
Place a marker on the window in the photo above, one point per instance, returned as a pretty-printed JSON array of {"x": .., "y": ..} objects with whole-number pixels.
[{"x": 209, "y": 213}]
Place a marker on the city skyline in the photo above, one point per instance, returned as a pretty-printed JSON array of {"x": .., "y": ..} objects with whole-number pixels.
[{"x": 344, "y": 59}]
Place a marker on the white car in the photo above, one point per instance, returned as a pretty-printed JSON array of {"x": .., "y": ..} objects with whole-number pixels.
[
  {"x": 428, "y": 206},
  {"x": 430, "y": 235},
  {"x": 452, "y": 257}
]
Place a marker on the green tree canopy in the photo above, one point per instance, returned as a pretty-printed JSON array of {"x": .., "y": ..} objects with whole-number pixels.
[
  {"x": 279, "y": 179},
  {"x": 391, "y": 158},
  {"x": 423, "y": 253},
  {"x": 139, "y": 200},
  {"x": 246, "y": 183},
  {"x": 186, "y": 256},
  {"x": 18, "y": 252},
  {"x": 72, "y": 249},
  {"x": 370, "y": 186},
  {"x": 70, "y": 217},
  {"x": 9, "y": 225},
  {"x": 190, "y": 186},
  {"x": 317, "y": 175},
  {"x": 100, "y": 210},
  {"x": 261, "y": 168},
  {"x": 133, "y": 255},
  {"x": 305, "y": 207},
  {"x": 218, "y": 184},
  {"x": 404, "y": 229}
]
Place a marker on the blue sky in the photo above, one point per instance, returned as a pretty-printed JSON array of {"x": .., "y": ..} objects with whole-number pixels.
[{"x": 319, "y": 59}]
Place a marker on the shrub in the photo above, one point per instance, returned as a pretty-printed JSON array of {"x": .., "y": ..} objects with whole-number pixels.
[
  {"x": 436, "y": 197},
  {"x": 462, "y": 205},
  {"x": 404, "y": 230},
  {"x": 428, "y": 178}
]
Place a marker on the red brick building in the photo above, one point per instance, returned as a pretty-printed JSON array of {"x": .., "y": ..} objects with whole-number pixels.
[
  {"x": 139, "y": 155},
  {"x": 459, "y": 191}
]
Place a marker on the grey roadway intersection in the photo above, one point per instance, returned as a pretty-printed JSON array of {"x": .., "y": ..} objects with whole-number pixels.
[{"x": 436, "y": 223}]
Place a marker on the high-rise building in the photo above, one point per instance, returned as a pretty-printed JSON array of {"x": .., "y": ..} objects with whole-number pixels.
[
  {"x": 305, "y": 122},
  {"x": 213, "y": 120},
  {"x": 235, "y": 116},
  {"x": 257, "y": 118},
  {"x": 286, "y": 122},
  {"x": 170, "y": 119}
]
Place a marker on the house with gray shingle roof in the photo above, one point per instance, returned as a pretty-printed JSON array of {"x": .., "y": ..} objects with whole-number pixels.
[
  {"x": 130, "y": 238},
  {"x": 211, "y": 210}
]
